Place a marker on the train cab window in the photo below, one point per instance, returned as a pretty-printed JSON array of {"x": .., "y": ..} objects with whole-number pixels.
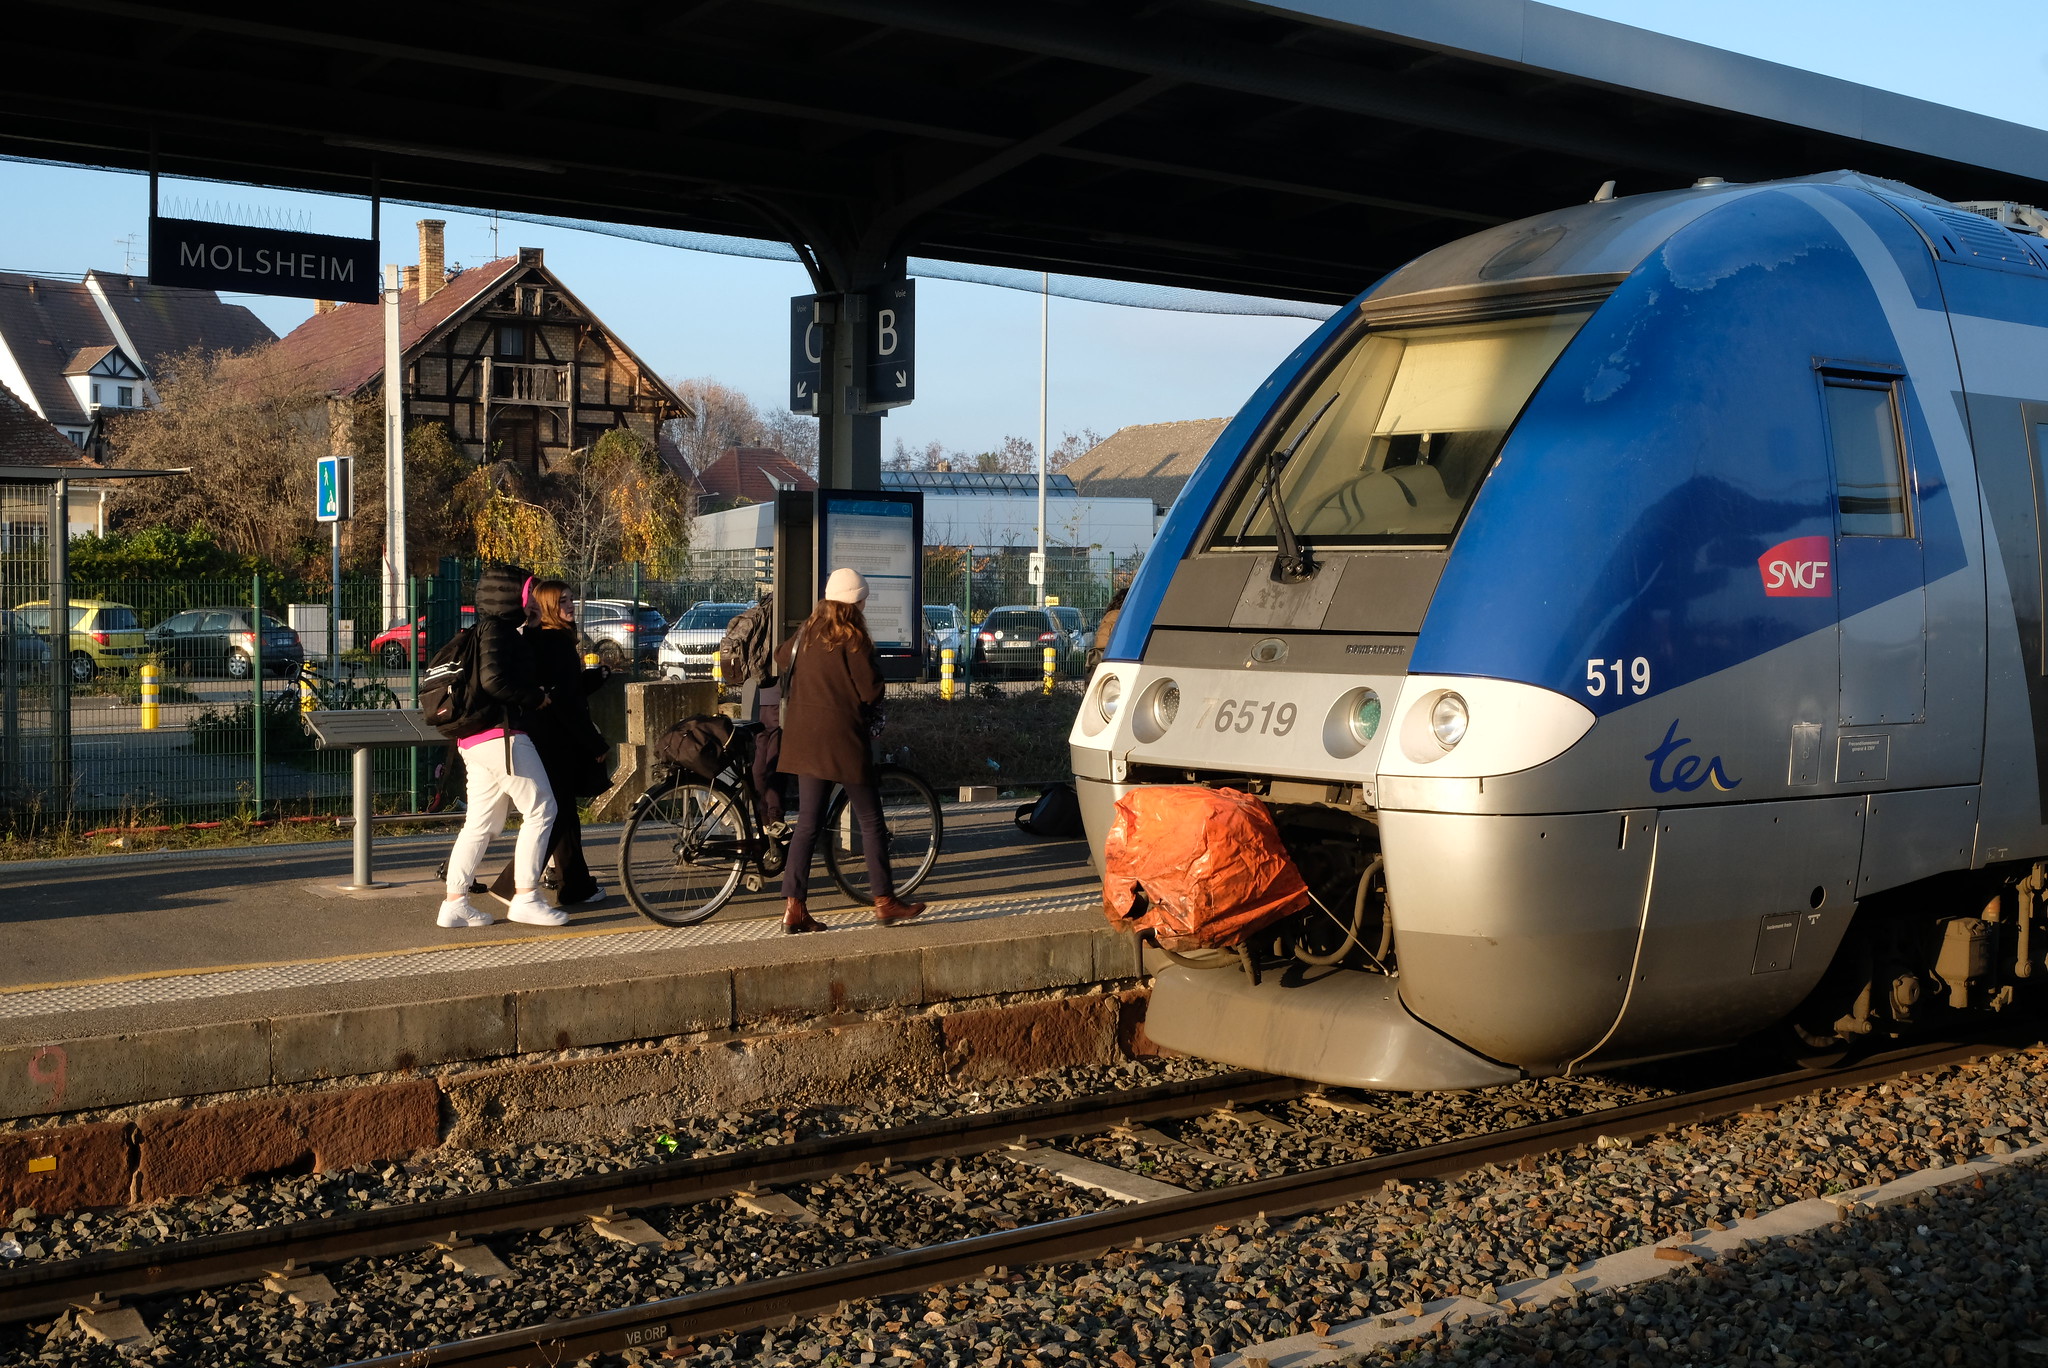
[
  {"x": 1870, "y": 468},
  {"x": 1402, "y": 431}
]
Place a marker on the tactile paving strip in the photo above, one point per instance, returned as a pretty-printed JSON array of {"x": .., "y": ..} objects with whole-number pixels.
[{"x": 147, "y": 992}]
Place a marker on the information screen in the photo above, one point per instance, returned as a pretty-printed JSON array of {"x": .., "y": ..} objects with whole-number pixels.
[{"x": 880, "y": 538}]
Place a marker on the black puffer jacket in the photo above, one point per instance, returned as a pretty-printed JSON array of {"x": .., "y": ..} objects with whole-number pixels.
[{"x": 509, "y": 689}]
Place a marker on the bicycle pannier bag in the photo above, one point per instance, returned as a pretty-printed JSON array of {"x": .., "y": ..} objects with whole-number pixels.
[
  {"x": 1199, "y": 868},
  {"x": 696, "y": 745}
]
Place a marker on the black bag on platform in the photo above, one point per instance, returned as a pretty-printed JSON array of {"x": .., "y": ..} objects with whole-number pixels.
[{"x": 1055, "y": 813}]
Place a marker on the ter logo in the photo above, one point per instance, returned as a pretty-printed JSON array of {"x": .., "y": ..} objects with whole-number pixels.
[{"x": 1797, "y": 568}]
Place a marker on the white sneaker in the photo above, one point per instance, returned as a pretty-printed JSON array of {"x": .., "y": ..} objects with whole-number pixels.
[
  {"x": 462, "y": 912},
  {"x": 530, "y": 907}
]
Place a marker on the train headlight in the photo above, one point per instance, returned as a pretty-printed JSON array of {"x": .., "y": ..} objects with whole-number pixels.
[
  {"x": 1365, "y": 716},
  {"x": 1448, "y": 720},
  {"x": 1153, "y": 713},
  {"x": 1166, "y": 705},
  {"x": 1108, "y": 696}
]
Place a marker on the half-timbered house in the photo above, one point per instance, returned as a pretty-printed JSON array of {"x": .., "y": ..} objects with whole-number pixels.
[{"x": 504, "y": 355}]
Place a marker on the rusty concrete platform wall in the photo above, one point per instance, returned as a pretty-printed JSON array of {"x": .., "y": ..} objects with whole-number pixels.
[{"x": 172, "y": 1151}]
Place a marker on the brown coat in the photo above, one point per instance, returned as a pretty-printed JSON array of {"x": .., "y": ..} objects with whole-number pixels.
[{"x": 826, "y": 698}]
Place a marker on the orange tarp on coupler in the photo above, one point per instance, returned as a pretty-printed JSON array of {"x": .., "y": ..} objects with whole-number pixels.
[{"x": 1198, "y": 867}]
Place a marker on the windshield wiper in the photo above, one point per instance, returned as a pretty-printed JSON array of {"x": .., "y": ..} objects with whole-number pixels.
[{"x": 1293, "y": 563}]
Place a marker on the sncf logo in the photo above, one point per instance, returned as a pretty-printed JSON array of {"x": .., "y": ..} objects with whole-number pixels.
[{"x": 1797, "y": 569}]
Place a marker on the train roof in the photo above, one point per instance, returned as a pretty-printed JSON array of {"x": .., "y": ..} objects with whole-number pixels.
[{"x": 1585, "y": 248}]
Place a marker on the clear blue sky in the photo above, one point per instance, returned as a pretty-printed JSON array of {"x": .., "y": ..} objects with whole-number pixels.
[{"x": 695, "y": 314}]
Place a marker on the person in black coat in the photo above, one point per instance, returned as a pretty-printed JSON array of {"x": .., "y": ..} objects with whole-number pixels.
[
  {"x": 572, "y": 750},
  {"x": 501, "y": 767}
]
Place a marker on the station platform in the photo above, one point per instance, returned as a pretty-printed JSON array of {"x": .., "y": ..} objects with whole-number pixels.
[{"x": 132, "y": 979}]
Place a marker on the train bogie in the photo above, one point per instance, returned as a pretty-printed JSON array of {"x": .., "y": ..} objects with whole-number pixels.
[{"x": 1657, "y": 586}]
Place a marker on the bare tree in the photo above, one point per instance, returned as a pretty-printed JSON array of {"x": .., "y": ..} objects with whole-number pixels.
[
  {"x": 726, "y": 418},
  {"x": 247, "y": 430}
]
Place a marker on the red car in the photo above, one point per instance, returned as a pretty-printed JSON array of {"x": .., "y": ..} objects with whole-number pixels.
[{"x": 389, "y": 648}]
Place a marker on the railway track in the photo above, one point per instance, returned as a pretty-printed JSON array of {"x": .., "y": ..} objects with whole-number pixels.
[{"x": 251, "y": 1255}]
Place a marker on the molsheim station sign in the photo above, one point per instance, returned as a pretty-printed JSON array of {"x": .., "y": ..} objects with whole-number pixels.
[{"x": 265, "y": 261}]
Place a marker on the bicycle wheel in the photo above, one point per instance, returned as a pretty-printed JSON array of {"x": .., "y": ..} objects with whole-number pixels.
[
  {"x": 911, "y": 825},
  {"x": 682, "y": 853}
]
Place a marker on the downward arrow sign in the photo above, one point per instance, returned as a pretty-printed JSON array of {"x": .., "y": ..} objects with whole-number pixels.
[{"x": 902, "y": 379}]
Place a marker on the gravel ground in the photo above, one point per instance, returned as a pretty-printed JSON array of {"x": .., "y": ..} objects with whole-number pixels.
[{"x": 1178, "y": 1302}]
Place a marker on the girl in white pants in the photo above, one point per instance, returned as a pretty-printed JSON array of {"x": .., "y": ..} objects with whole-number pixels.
[{"x": 503, "y": 773}]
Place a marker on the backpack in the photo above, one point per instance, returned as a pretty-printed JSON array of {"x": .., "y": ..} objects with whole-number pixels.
[
  {"x": 449, "y": 685},
  {"x": 1055, "y": 813},
  {"x": 745, "y": 650},
  {"x": 696, "y": 744}
]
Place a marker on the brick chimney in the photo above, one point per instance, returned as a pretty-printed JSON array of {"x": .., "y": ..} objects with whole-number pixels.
[
  {"x": 433, "y": 257},
  {"x": 324, "y": 306},
  {"x": 409, "y": 280}
]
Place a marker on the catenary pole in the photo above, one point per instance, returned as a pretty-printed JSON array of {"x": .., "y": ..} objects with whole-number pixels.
[
  {"x": 1044, "y": 355},
  {"x": 394, "y": 454}
]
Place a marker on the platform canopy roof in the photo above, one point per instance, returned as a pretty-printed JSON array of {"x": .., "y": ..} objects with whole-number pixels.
[{"x": 1297, "y": 148}]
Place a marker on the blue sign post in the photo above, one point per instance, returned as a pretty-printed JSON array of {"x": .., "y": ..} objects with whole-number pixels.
[{"x": 333, "y": 503}]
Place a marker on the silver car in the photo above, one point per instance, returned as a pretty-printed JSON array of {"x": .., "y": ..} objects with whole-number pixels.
[
  {"x": 690, "y": 647},
  {"x": 611, "y": 629}
]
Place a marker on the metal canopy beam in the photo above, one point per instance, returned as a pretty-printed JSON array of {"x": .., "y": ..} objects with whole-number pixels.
[{"x": 1296, "y": 148}]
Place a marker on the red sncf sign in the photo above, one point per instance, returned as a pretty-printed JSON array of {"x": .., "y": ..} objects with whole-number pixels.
[{"x": 1799, "y": 568}]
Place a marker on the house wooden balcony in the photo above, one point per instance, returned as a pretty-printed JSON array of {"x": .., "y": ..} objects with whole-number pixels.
[{"x": 511, "y": 382}]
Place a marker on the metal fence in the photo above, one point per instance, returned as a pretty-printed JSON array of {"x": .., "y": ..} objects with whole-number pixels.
[{"x": 81, "y": 746}]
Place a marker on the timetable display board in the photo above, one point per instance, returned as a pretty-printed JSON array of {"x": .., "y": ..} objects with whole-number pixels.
[{"x": 880, "y": 534}]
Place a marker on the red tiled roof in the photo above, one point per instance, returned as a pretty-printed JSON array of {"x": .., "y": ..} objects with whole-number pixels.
[
  {"x": 743, "y": 474},
  {"x": 26, "y": 439},
  {"x": 341, "y": 351}
]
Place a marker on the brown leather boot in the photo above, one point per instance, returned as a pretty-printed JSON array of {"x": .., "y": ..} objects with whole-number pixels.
[
  {"x": 796, "y": 919},
  {"x": 888, "y": 911}
]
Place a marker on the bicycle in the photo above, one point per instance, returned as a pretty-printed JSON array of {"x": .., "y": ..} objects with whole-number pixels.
[
  {"x": 689, "y": 845},
  {"x": 345, "y": 692}
]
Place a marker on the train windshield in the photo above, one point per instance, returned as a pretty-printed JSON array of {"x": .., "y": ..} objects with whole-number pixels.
[{"x": 1390, "y": 448}]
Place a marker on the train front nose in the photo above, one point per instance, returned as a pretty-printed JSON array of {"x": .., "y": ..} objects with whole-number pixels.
[{"x": 1517, "y": 934}]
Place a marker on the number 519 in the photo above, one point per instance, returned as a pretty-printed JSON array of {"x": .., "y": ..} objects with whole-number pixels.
[{"x": 1638, "y": 675}]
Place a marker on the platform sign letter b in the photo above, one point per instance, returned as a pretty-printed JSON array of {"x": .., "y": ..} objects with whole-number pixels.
[{"x": 892, "y": 345}]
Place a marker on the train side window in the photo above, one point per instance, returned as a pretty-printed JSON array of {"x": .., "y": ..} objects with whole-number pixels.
[{"x": 1870, "y": 466}]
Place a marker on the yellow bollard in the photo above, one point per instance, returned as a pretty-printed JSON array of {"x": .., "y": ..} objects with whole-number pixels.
[
  {"x": 946, "y": 674},
  {"x": 309, "y": 701},
  {"x": 717, "y": 672},
  {"x": 152, "y": 675},
  {"x": 1050, "y": 668}
]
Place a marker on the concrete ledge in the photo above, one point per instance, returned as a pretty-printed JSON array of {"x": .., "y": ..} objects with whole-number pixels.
[
  {"x": 183, "y": 1152},
  {"x": 881, "y": 971}
]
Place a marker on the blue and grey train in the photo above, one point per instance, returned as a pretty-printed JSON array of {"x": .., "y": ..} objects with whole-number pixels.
[{"x": 1633, "y": 616}]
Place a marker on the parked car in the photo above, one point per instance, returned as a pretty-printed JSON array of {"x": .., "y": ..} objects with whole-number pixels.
[
  {"x": 1012, "y": 641},
  {"x": 220, "y": 641},
  {"x": 21, "y": 644},
  {"x": 690, "y": 647},
  {"x": 610, "y": 629},
  {"x": 1080, "y": 636},
  {"x": 943, "y": 627},
  {"x": 388, "y": 647},
  {"x": 104, "y": 635}
]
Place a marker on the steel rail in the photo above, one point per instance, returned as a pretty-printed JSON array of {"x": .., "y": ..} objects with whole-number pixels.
[
  {"x": 781, "y": 1299},
  {"x": 241, "y": 1256}
]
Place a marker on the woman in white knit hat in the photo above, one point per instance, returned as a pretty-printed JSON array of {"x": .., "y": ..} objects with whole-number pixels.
[{"x": 831, "y": 691}]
